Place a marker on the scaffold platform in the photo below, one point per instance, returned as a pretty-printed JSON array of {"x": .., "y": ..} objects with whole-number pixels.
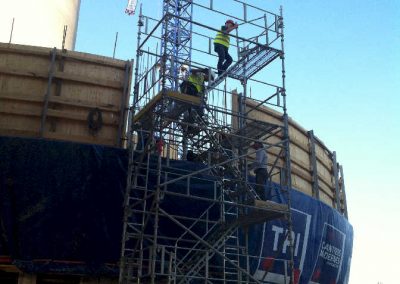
[
  {"x": 266, "y": 211},
  {"x": 171, "y": 103},
  {"x": 250, "y": 62}
]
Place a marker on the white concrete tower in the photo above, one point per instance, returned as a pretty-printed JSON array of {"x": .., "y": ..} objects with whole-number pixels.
[{"x": 39, "y": 22}]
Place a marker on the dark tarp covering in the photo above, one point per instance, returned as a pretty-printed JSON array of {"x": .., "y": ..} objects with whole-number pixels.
[
  {"x": 63, "y": 201},
  {"x": 60, "y": 201}
]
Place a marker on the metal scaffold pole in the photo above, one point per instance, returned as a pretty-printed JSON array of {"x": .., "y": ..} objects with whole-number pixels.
[{"x": 288, "y": 175}]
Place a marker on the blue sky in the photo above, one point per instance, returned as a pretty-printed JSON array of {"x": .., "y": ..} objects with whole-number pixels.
[{"x": 343, "y": 81}]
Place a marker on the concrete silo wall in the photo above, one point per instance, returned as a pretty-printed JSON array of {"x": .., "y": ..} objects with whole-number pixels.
[{"x": 39, "y": 22}]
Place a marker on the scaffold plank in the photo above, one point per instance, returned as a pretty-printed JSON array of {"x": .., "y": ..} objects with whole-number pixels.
[
  {"x": 173, "y": 95},
  {"x": 269, "y": 210}
]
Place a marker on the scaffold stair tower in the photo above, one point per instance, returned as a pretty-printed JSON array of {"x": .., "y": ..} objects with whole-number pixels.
[{"x": 212, "y": 245}]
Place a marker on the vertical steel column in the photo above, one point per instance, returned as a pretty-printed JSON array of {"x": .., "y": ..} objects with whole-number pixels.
[
  {"x": 246, "y": 239},
  {"x": 242, "y": 103},
  {"x": 12, "y": 29},
  {"x": 288, "y": 174},
  {"x": 47, "y": 95},
  {"x": 115, "y": 44},
  {"x": 136, "y": 85},
  {"x": 127, "y": 254},
  {"x": 343, "y": 191},
  {"x": 64, "y": 37},
  {"x": 157, "y": 196},
  {"x": 313, "y": 162},
  {"x": 237, "y": 45},
  {"x": 125, "y": 96},
  {"x": 266, "y": 29},
  {"x": 336, "y": 180}
]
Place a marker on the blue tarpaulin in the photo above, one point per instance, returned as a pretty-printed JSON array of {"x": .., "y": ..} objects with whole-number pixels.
[{"x": 323, "y": 244}]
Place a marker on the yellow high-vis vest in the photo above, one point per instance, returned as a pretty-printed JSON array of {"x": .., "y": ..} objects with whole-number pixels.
[
  {"x": 197, "y": 81},
  {"x": 222, "y": 38}
]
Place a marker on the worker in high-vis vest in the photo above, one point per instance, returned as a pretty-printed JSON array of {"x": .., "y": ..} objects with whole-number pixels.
[
  {"x": 221, "y": 46},
  {"x": 194, "y": 83}
]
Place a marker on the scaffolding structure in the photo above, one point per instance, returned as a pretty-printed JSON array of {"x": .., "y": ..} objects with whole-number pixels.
[{"x": 211, "y": 246}]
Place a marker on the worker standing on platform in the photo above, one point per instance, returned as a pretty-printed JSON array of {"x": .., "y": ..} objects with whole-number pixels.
[
  {"x": 260, "y": 169},
  {"x": 194, "y": 83},
  {"x": 194, "y": 86},
  {"x": 221, "y": 46}
]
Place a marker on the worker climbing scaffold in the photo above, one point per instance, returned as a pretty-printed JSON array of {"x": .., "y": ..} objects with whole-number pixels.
[{"x": 221, "y": 46}]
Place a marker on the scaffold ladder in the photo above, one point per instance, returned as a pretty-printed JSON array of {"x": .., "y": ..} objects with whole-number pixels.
[{"x": 135, "y": 207}]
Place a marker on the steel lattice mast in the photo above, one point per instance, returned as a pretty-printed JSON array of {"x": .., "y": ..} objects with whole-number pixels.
[{"x": 176, "y": 40}]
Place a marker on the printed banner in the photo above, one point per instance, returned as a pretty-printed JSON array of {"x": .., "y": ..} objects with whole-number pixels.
[{"x": 322, "y": 245}]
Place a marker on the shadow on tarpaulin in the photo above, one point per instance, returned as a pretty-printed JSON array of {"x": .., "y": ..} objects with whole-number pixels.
[{"x": 61, "y": 205}]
